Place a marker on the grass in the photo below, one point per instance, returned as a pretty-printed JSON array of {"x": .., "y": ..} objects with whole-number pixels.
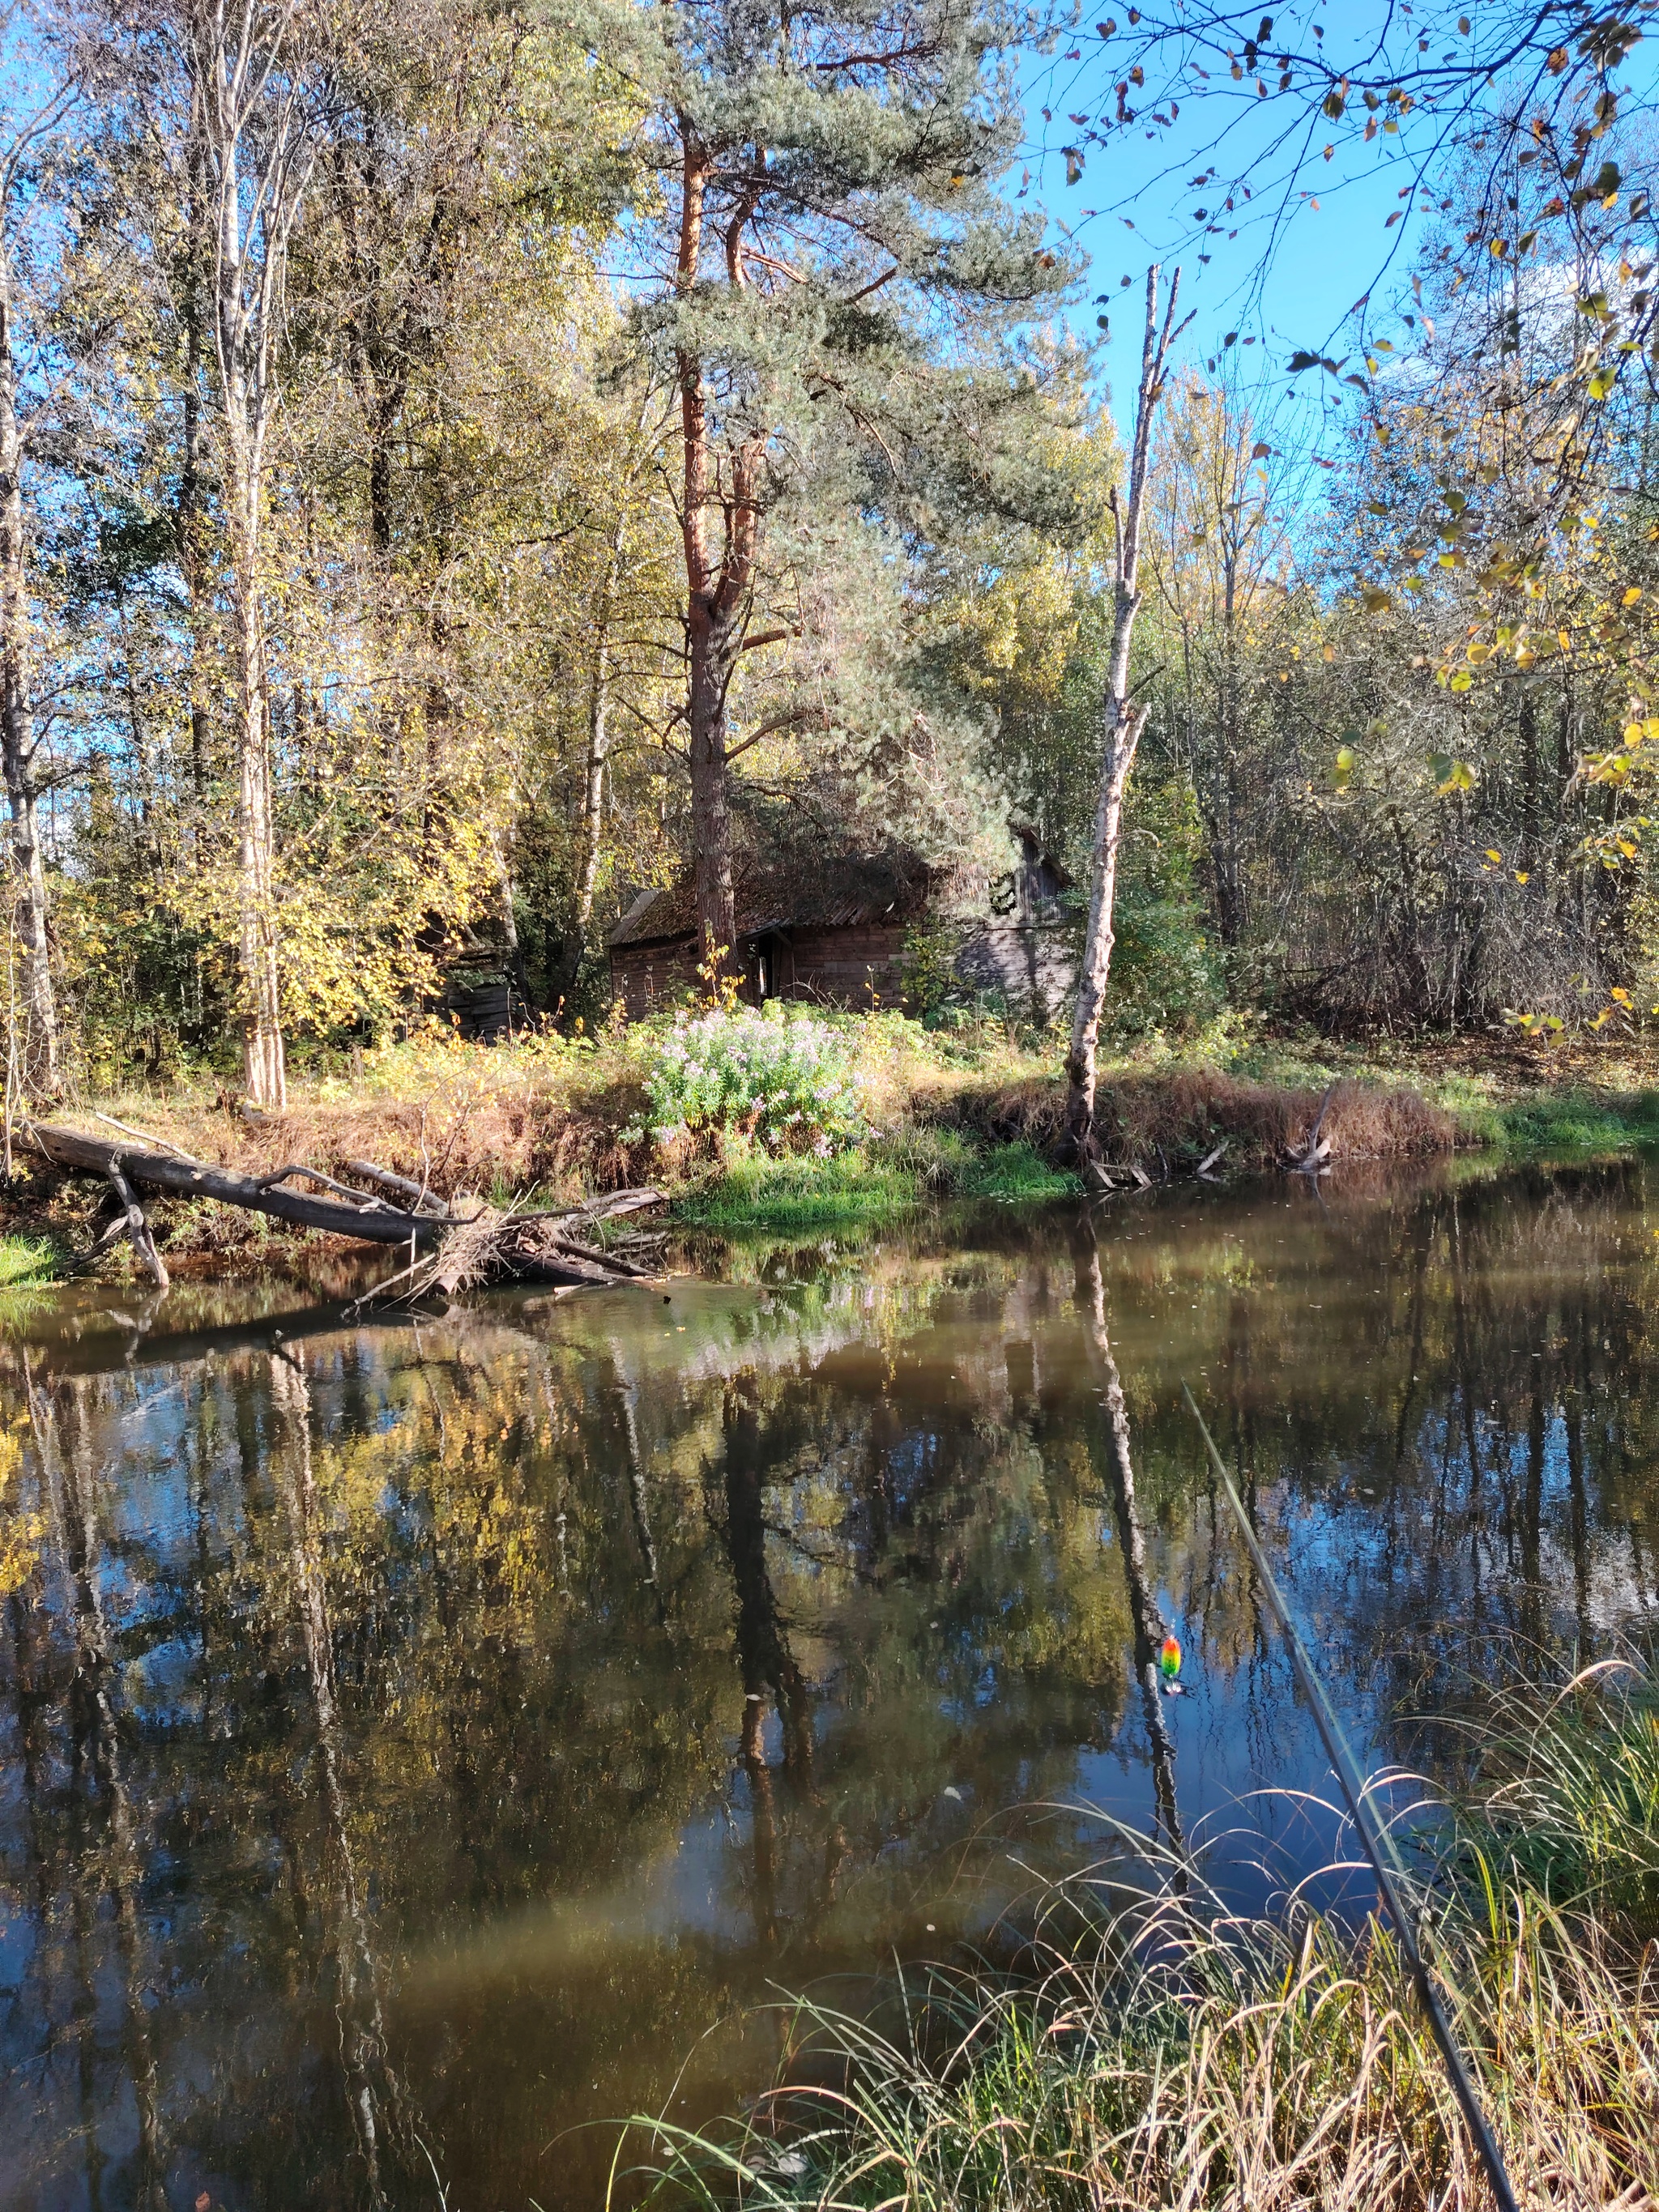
[
  {"x": 1580, "y": 1122},
  {"x": 801, "y": 1192},
  {"x": 29, "y": 1260},
  {"x": 1175, "y": 2056},
  {"x": 871, "y": 1183},
  {"x": 1017, "y": 1174}
]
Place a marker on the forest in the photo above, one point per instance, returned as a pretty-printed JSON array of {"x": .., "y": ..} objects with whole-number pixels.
[
  {"x": 460, "y": 466},
  {"x": 992, "y": 855}
]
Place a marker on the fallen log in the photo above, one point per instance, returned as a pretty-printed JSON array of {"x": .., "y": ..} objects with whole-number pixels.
[
  {"x": 448, "y": 1251},
  {"x": 370, "y": 1220}
]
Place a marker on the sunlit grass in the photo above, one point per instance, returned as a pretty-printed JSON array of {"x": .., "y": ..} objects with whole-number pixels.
[
  {"x": 28, "y": 1259},
  {"x": 1581, "y": 1122},
  {"x": 1017, "y": 1174},
  {"x": 871, "y": 1183},
  {"x": 1174, "y": 2055},
  {"x": 801, "y": 1192}
]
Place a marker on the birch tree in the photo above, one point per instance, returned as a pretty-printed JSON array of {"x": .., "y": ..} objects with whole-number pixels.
[
  {"x": 1124, "y": 721},
  {"x": 40, "y": 1057},
  {"x": 251, "y": 107}
]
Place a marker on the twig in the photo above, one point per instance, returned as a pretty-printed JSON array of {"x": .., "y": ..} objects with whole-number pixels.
[
  {"x": 405, "y": 1185},
  {"x": 144, "y": 1137},
  {"x": 316, "y": 1175}
]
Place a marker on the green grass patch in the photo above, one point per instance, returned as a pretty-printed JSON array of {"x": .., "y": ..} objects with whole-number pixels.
[
  {"x": 25, "y": 1259},
  {"x": 847, "y": 1190},
  {"x": 1019, "y": 1175},
  {"x": 1580, "y": 1122},
  {"x": 869, "y": 1185}
]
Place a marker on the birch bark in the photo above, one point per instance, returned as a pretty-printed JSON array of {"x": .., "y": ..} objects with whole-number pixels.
[{"x": 1124, "y": 723}]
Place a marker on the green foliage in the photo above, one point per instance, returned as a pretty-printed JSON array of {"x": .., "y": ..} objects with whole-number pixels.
[
  {"x": 1166, "y": 974},
  {"x": 1580, "y": 1122},
  {"x": 1017, "y": 1174},
  {"x": 783, "y": 1080},
  {"x": 931, "y": 982}
]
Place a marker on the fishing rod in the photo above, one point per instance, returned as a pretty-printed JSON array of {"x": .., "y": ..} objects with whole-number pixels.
[{"x": 1378, "y": 1841}]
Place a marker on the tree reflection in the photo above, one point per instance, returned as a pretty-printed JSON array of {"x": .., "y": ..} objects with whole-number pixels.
[
  {"x": 1150, "y": 1626},
  {"x": 374, "y": 2095},
  {"x": 373, "y": 1699}
]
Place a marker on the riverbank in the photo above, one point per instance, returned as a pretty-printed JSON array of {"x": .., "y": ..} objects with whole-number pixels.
[
  {"x": 1178, "y": 2056},
  {"x": 971, "y": 1114}
]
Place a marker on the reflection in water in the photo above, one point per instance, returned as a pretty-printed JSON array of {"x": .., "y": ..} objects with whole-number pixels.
[
  {"x": 427, "y": 1738},
  {"x": 1150, "y": 1626}
]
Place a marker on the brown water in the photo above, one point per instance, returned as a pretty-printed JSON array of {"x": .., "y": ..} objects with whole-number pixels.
[{"x": 417, "y": 1742}]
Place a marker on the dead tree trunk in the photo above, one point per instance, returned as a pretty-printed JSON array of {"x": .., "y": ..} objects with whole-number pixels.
[
  {"x": 479, "y": 1247},
  {"x": 1124, "y": 722}
]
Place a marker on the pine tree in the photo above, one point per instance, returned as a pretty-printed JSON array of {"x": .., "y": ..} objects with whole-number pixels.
[{"x": 827, "y": 261}]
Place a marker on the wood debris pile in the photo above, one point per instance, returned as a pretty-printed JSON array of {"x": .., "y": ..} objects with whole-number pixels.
[{"x": 451, "y": 1249}]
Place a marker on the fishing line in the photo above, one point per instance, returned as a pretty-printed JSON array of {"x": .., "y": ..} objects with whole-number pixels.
[{"x": 1378, "y": 1841}]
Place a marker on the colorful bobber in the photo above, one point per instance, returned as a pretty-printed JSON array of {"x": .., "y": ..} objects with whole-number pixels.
[{"x": 1169, "y": 1659}]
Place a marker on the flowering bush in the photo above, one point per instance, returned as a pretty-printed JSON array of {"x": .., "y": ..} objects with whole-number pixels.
[{"x": 787, "y": 1083}]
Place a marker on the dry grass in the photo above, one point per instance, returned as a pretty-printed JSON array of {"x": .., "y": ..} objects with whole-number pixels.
[
  {"x": 1183, "y": 1113},
  {"x": 1182, "y": 2058},
  {"x": 543, "y": 1116}
]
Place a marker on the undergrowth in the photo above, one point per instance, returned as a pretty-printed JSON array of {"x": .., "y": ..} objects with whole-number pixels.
[{"x": 1176, "y": 2055}]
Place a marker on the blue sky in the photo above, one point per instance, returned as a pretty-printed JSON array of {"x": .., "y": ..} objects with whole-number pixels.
[
  {"x": 1291, "y": 278},
  {"x": 1315, "y": 239}
]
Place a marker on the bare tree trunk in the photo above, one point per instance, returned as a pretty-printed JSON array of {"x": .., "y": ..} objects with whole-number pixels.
[
  {"x": 1124, "y": 723},
  {"x": 263, "y": 1059},
  {"x": 257, "y": 156},
  {"x": 599, "y": 739},
  {"x": 38, "y": 1058},
  {"x": 189, "y": 516}
]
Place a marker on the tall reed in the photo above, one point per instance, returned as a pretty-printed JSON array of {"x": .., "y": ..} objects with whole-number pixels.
[{"x": 1179, "y": 2055}]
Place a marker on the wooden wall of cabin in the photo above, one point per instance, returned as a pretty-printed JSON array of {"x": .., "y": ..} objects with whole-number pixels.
[
  {"x": 644, "y": 976},
  {"x": 861, "y": 966},
  {"x": 1032, "y": 966}
]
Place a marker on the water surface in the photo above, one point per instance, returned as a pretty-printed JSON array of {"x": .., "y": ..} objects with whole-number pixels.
[{"x": 420, "y": 1742}]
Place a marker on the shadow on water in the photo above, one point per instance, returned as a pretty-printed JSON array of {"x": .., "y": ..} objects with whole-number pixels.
[{"x": 422, "y": 1740}]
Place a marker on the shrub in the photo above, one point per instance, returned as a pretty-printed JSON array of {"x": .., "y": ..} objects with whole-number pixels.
[{"x": 787, "y": 1083}]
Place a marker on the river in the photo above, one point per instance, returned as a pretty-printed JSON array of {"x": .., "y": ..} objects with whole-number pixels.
[{"x": 424, "y": 1742}]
